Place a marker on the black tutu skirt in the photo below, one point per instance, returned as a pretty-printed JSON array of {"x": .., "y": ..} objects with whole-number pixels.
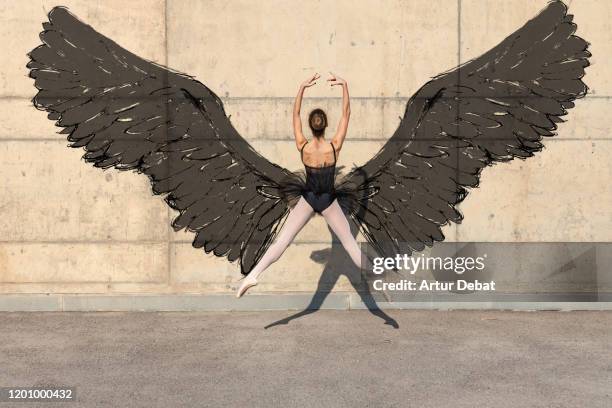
[{"x": 316, "y": 186}]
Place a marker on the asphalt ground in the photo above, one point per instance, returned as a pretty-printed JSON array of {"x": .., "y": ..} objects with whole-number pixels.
[{"x": 321, "y": 359}]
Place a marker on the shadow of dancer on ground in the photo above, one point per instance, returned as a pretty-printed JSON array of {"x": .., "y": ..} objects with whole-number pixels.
[{"x": 337, "y": 262}]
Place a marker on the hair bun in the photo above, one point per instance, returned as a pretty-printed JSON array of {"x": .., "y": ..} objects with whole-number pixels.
[{"x": 317, "y": 120}]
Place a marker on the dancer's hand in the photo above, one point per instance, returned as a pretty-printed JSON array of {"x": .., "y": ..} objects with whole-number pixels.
[
  {"x": 335, "y": 80},
  {"x": 311, "y": 81}
]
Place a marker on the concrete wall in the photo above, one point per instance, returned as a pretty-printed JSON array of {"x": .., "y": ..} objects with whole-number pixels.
[{"x": 69, "y": 228}]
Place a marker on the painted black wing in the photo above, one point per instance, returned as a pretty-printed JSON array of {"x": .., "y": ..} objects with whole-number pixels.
[
  {"x": 133, "y": 114},
  {"x": 491, "y": 109}
]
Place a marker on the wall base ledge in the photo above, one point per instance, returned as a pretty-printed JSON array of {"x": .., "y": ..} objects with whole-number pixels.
[{"x": 58, "y": 302}]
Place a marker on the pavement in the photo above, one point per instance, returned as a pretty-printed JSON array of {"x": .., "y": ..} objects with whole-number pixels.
[{"x": 405, "y": 358}]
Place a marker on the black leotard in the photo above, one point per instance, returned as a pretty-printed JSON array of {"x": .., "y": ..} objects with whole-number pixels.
[{"x": 319, "y": 192}]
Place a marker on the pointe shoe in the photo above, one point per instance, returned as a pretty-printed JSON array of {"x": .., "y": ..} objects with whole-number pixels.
[{"x": 247, "y": 282}]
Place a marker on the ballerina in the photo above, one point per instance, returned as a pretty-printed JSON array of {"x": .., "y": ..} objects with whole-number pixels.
[{"x": 318, "y": 195}]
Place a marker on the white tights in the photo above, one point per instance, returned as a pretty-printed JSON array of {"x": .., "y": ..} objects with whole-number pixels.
[{"x": 297, "y": 218}]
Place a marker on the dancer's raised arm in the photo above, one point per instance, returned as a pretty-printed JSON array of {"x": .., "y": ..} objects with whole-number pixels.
[
  {"x": 338, "y": 139},
  {"x": 300, "y": 140}
]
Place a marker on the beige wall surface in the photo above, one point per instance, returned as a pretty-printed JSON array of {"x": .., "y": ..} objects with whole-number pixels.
[{"x": 68, "y": 227}]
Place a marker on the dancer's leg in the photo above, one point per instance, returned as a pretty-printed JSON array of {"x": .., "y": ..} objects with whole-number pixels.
[
  {"x": 297, "y": 218},
  {"x": 337, "y": 221}
]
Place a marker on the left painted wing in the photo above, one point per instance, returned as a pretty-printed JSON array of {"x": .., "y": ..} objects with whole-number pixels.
[{"x": 133, "y": 114}]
